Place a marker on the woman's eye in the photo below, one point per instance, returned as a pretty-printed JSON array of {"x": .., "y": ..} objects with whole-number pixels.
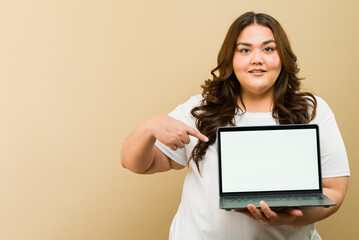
[
  {"x": 244, "y": 50},
  {"x": 269, "y": 49}
]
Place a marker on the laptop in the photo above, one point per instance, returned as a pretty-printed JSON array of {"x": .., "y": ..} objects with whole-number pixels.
[{"x": 279, "y": 164}]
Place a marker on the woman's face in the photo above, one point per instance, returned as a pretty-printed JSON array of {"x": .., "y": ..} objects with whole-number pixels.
[{"x": 256, "y": 62}]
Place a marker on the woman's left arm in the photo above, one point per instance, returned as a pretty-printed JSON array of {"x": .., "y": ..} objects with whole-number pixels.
[{"x": 335, "y": 188}]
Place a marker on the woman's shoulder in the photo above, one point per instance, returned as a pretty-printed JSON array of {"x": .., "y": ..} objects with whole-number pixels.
[
  {"x": 183, "y": 110},
  {"x": 322, "y": 106},
  {"x": 196, "y": 99},
  {"x": 323, "y": 111},
  {"x": 192, "y": 102}
]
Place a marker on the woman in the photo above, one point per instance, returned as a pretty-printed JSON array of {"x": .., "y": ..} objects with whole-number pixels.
[{"x": 257, "y": 84}]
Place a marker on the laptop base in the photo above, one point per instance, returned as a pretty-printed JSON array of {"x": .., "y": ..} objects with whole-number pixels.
[{"x": 229, "y": 203}]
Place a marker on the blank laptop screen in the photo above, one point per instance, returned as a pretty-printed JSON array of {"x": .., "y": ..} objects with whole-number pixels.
[{"x": 269, "y": 160}]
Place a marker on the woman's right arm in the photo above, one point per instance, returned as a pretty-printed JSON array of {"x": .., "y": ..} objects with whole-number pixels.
[{"x": 139, "y": 153}]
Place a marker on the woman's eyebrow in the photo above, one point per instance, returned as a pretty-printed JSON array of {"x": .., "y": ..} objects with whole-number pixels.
[
  {"x": 269, "y": 41},
  {"x": 249, "y": 45}
]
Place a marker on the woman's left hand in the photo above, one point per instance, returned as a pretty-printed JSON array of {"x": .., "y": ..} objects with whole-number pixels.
[{"x": 269, "y": 217}]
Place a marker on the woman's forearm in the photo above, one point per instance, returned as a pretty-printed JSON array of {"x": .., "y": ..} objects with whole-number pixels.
[
  {"x": 137, "y": 152},
  {"x": 335, "y": 189},
  {"x": 312, "y": 215}
]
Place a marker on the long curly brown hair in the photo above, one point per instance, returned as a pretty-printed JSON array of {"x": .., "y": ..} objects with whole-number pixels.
[{"x": 221, "y": 94}]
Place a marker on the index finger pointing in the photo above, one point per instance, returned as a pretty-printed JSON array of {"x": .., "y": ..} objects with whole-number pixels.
[{"x": 197, "y": 134}]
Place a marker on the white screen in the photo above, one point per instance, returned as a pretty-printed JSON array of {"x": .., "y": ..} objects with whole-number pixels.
[{"x": 269, "y": 160}]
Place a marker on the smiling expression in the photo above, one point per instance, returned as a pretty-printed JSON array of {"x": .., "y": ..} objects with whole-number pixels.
[{"x": 256, "y": 62}]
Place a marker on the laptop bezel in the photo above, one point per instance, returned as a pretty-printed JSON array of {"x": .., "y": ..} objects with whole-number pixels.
[{"x": 269, "y": 127}]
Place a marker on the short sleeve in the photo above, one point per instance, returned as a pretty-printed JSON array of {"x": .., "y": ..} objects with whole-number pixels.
[
  {"x": 183, "y": 114},
  {"x": 333, "y": 154}
]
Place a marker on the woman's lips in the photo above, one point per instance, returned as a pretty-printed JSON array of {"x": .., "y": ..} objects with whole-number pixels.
[{"x": 257, "y": 72}]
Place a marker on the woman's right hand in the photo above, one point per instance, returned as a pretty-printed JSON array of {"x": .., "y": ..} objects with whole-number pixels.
[
  {"x": 172, "y": 132},
  {"x": 138, "y": 153}
]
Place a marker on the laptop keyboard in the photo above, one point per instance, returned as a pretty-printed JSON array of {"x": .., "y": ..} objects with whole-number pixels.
[{"x": 272, "y": 198}]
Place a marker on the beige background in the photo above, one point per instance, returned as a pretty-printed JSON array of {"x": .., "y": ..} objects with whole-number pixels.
[{"x": 77, "y": 76}]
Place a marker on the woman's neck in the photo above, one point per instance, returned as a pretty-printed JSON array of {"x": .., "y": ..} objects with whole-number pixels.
[{"x": 252, "y": 103}]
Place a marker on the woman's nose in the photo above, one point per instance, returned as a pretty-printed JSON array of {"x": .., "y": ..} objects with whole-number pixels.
[{"x": 257, "y": 58}]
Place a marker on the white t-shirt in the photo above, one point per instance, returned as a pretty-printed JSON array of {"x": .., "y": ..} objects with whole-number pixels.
[{"x": 199, "y": 216}]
